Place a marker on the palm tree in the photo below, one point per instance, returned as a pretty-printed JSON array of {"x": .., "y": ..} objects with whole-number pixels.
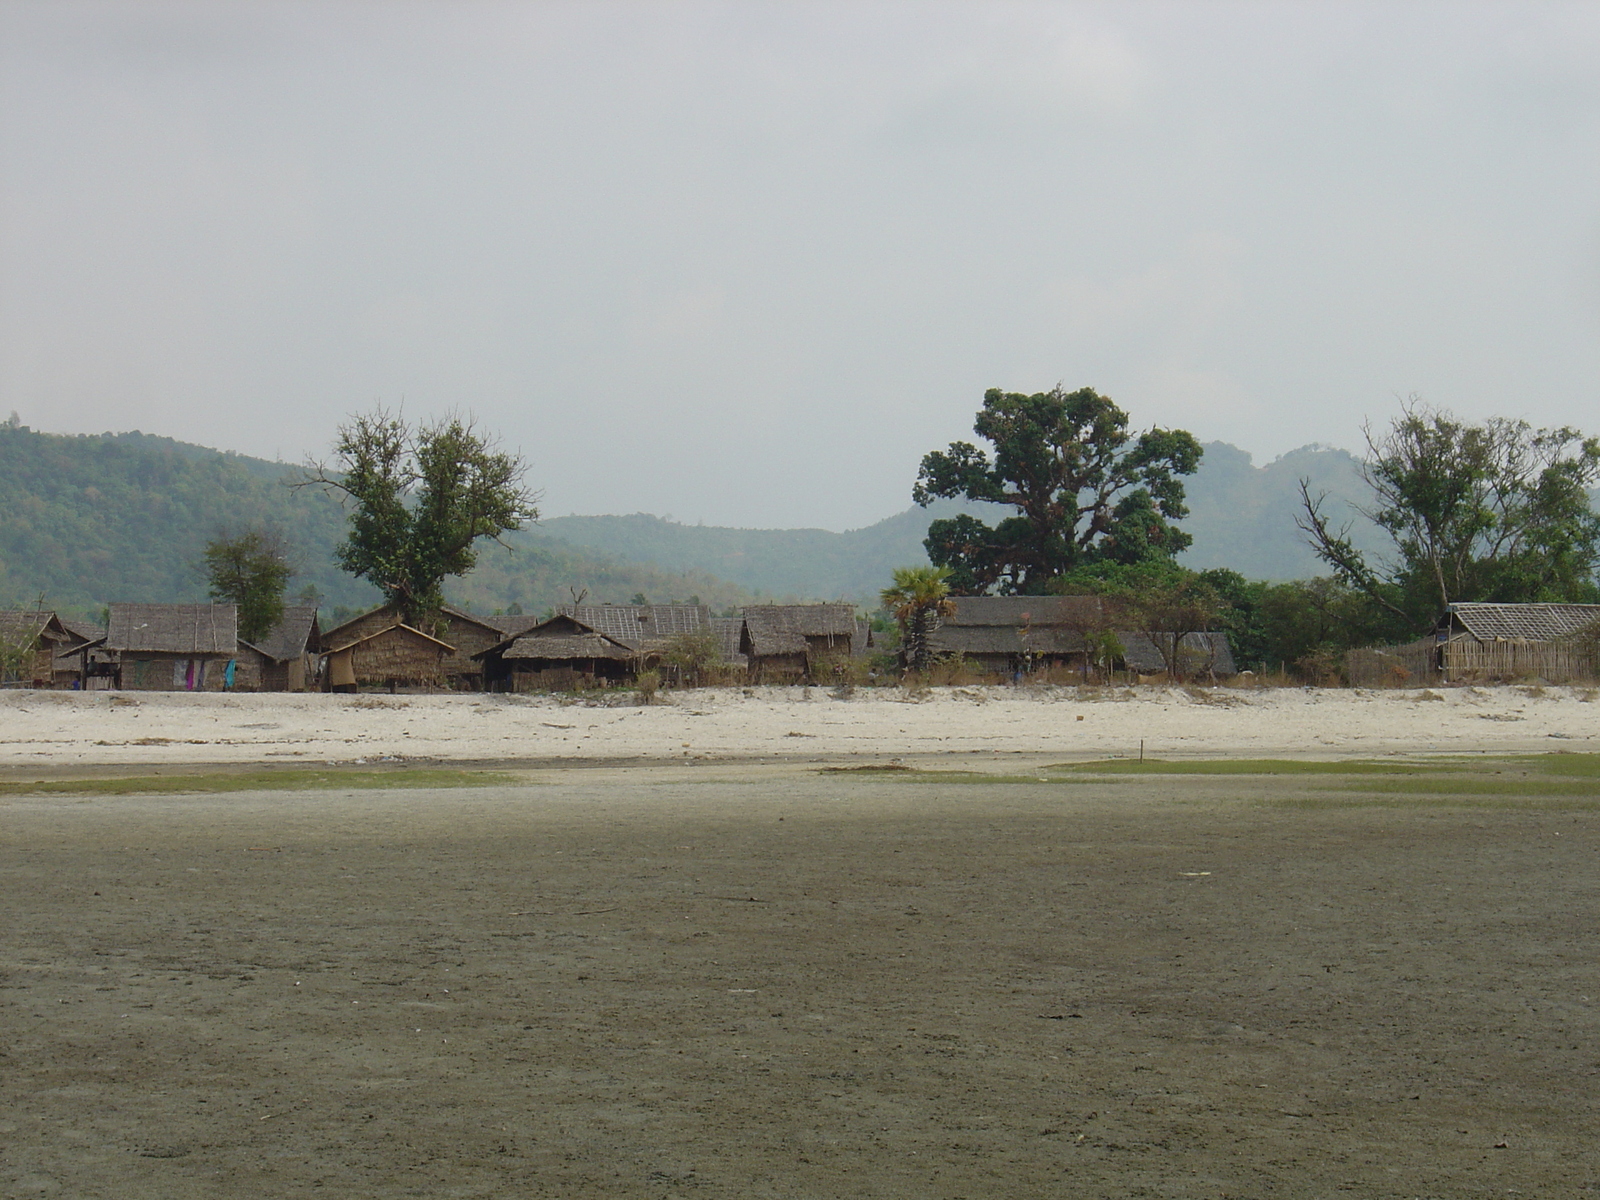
[{"x": 919, "y": 600}]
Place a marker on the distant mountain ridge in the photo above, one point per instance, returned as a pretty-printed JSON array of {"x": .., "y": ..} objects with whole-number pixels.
[
  {"x": 1241, "y": 517},
  {"x": 85, "y": 520}
]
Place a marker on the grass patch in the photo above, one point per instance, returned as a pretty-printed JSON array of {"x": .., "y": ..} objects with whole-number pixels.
[
  {"x": 1238, "y": 766},
  {"x": 256, "y": 781},
  {"x": 1501, "y": 803},
  {"x": 914, "y": 775},
  {"x": 1518, "y": 786}
]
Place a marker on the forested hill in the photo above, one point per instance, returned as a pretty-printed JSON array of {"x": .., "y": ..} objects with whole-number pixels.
[
  {"x": 1241, "y": 516},
  {"x": 92, "y": 519}
]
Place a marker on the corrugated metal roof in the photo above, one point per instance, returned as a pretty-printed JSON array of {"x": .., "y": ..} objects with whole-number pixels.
[
  {"x": 174, "y": 629},
  {"x": 1523, "y": 622}
]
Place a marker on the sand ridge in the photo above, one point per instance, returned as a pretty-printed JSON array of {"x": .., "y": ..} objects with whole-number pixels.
[{"x": 156, "y": 729}]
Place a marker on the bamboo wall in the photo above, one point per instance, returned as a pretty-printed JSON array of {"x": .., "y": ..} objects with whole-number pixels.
[
  {"x": 1467, "y": 660},
  {"x": 1412, "y": 665}
]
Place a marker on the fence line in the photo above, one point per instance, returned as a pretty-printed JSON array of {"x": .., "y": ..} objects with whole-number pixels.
[
  {"x": 1466, "y": 660},
  {"x": 1413, "y": 665}
]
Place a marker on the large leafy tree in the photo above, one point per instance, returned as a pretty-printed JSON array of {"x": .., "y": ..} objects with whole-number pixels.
[
  {"x": 1492, "y": 512},
  {"x": 250, "y": 569},
  {"x": 421, "y": 498},
  {"x": 1084, "y": 488},
  {"x": 919, "y": 599}
]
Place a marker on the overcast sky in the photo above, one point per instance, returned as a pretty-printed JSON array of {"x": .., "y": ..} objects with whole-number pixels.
[{"x": 746, "y": 262}]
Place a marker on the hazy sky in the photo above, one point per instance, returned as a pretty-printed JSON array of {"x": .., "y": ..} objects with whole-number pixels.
[{"x": 746, "y": 262}]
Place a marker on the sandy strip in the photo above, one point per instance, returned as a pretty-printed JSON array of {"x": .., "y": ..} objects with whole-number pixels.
[{"x": 56, "y": 729}]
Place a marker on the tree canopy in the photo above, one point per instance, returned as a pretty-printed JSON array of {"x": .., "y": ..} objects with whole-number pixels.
[
  {"x": 1497, "y": 511},
  {"x": 422, "y": 498},
  {"x": 1085, "y": 489},
  {"x": 250, "y": 569}
]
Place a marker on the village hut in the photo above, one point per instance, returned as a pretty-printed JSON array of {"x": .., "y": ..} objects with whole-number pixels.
[
  {"x": 1203, "y": 654},
  {"x": 1492, "y": 642},
  {"x": 560, "y": 654},
  {"x": 646, "y": 629},
  {"x": 784, "y": 643},
  {"x": 38, "y": 637},
  {"x": 466, "y": 633},
  {"x": 1477, "y": 642},
  {"x": 1018, "y": 635},
  {"x": 286, "y": 660},
  {"x": 170, "y": 647},
  {"x": 394, "y": 656}
]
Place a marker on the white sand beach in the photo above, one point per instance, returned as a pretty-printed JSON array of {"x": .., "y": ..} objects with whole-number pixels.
[{"x": 45, "y": 729}]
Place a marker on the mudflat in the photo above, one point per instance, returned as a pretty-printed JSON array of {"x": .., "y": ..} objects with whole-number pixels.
[{"x": 746, "y": 981}]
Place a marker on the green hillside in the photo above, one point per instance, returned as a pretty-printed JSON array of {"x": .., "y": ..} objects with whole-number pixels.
[
  {"x": 122, "y": 517},
  {"x": 91, "y": 519}
]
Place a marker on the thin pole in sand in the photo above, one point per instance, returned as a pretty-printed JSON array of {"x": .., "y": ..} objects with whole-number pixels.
[{"x": 1141, "y": 749}]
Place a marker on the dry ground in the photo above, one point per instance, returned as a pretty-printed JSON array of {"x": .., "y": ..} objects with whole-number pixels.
[{"x": 749, "y": 982}]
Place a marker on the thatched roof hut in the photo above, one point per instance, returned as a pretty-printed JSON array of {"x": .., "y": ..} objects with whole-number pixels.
[
  {"x": 558, "y": 654},
  {"x": 170, "y": 647},
  {"x": 785, "y": 642},
  {"x": 286, "y": 659},
  {"x": 38, "y": 637},
  {"x": 466, "y": 633},
  {"x": 1011, "y": 633},
  {"x": 394, "y": 656}
]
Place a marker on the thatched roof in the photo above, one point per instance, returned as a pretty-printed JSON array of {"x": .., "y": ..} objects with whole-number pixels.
[
  {"x": 507, "y": 625},
  {"x": 331, "y": 645},
  {"x": 193, "y": 629},
  {"x": 1026, "y": 611},
  {"x": 1017, "y": 625},
  {"x": 27, "y": 627},
  {"x": 562, "y": 638},
  {"x": 565, "y": 647},
  {"x": 640, "y": 627},
  {"x": 783, "y": 628},
  {"x": 82, "y": 631},
  {"x": 1522, "y": 622},
  {"x": 1005, "y": 639},
  {"x": 1206, "y": 651},
  {"x": 292, "y": 636}
]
